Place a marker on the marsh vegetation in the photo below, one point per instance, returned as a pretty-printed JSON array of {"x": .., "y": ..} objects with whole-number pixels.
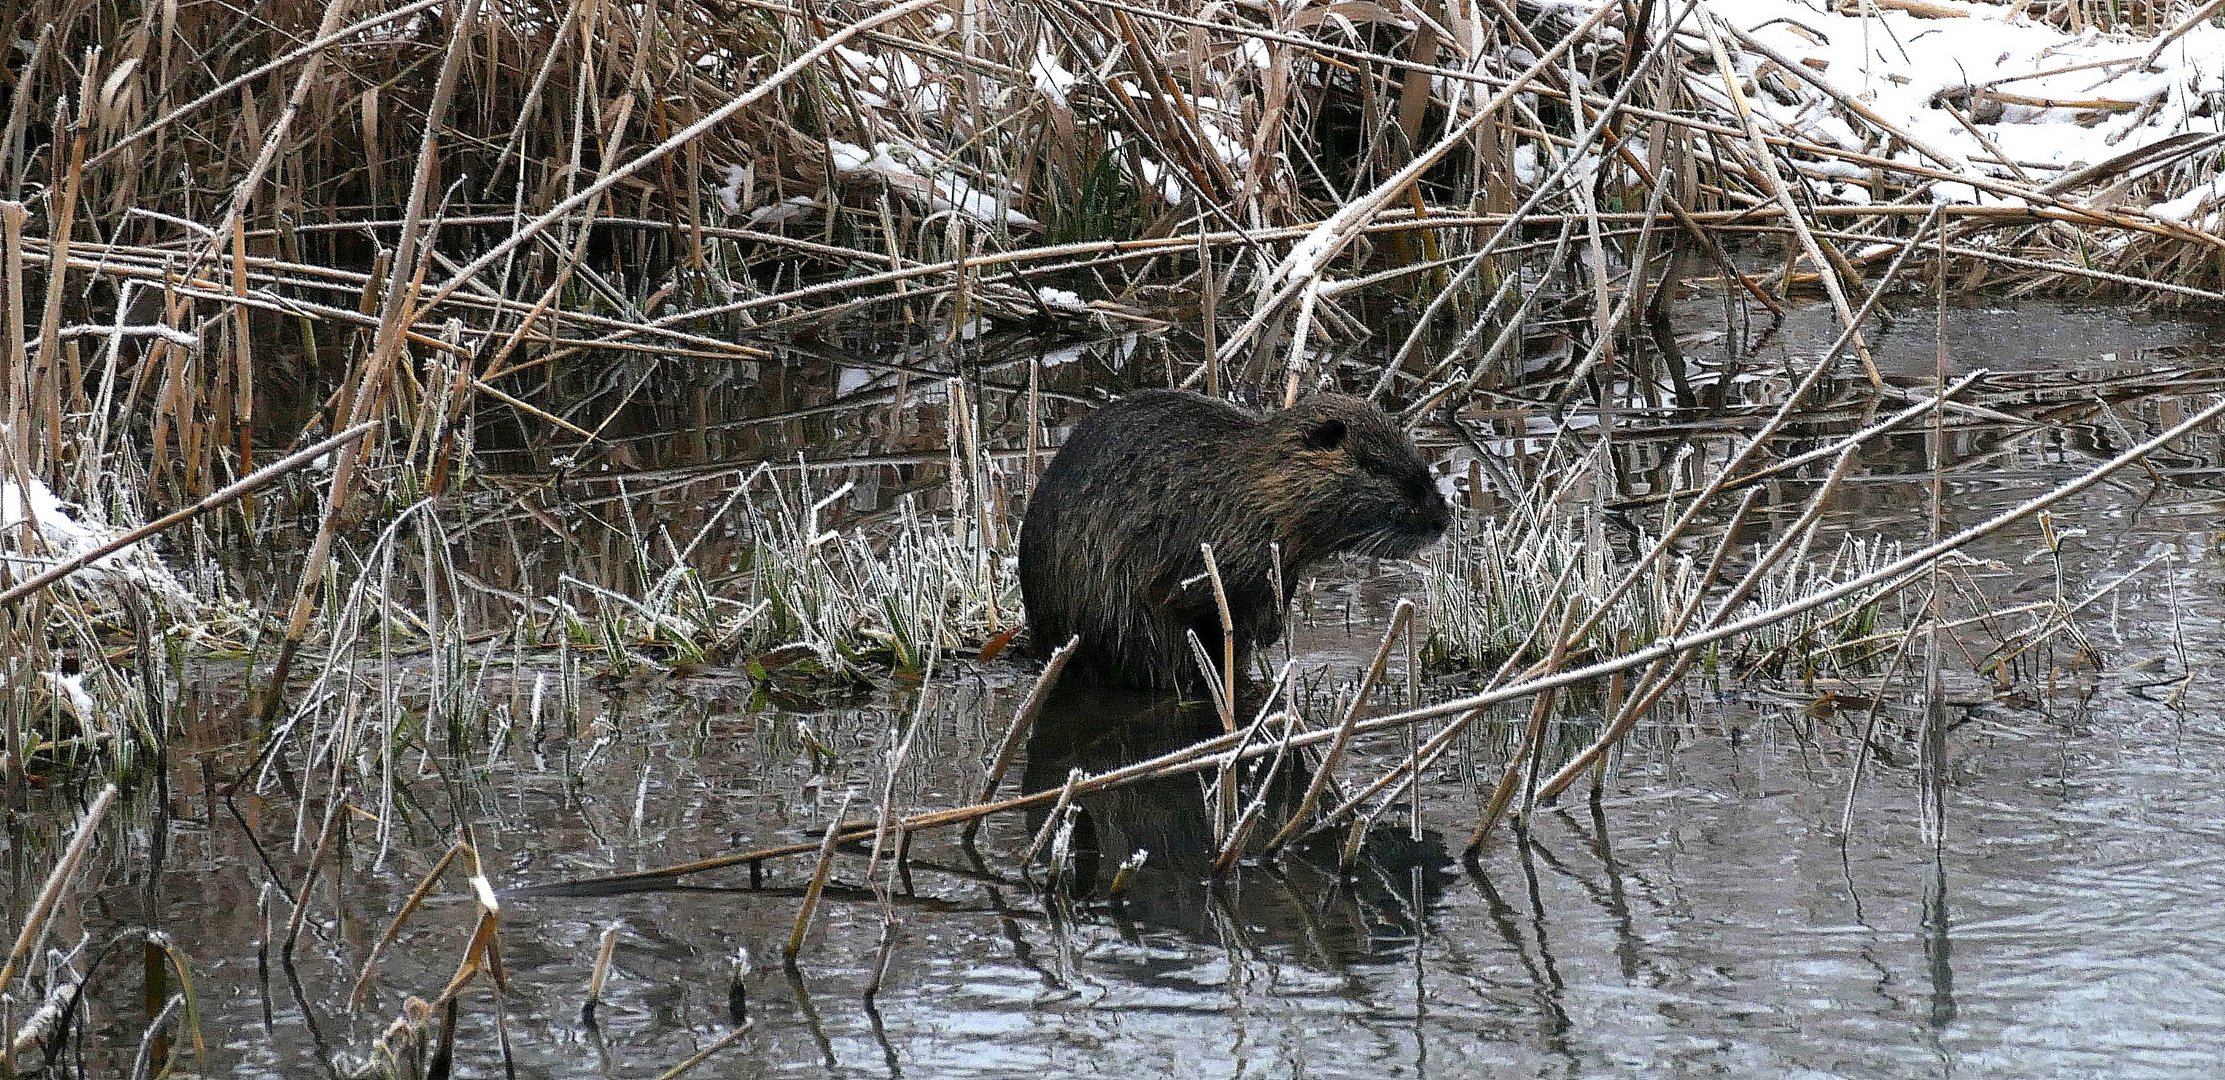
[{"x": 509, "y": 517}]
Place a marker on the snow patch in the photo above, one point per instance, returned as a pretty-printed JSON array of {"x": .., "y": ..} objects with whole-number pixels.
[
  {"x": 909, "y": 168},
  {"x": 38, "y": 531}
]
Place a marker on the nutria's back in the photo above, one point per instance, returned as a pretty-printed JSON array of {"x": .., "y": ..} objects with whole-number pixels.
[{"x": 1109, "y": 548}]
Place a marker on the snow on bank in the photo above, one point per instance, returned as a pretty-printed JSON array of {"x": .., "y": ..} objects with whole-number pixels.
[
  {"x": 38, "y": 531},
  {"x": 910, "y": 169},
  {"x": 2049, "y": 101},
  {"x": 1984, "y": 104}
]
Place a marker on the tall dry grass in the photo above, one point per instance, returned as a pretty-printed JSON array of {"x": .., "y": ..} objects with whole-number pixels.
[{"x": 414, "y": 210}]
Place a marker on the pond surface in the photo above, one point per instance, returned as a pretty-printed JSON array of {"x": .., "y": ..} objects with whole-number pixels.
[{"x": 1706, "y": 916}]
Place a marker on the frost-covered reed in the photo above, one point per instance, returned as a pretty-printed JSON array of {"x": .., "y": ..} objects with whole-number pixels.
[{"x": 1493, "y": 583}]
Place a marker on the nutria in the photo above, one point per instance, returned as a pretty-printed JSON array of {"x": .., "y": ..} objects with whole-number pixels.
[{"x": 1109, "y": 546}]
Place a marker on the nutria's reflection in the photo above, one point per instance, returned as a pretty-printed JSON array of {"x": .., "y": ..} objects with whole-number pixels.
[{"x": 1302, "y": 902}]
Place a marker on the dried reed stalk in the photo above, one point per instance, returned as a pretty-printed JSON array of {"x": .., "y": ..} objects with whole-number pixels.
[{"x": 50, "y": 895}]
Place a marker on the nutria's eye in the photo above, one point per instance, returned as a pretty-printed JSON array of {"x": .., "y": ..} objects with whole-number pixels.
[{"x": 1326, "y": 435}]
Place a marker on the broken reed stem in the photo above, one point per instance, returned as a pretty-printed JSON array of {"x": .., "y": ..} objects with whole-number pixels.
[
  {"x": 601, "y": 972},
  {"x": 1400, "y": 616},
  {"x": 1413, "y": 697},
  {"x": 415, "y": 900},
  {"x": 1225, "y": 782},
  {"x": 887, "y": 948},
  {"x": 1023, "y": 722},
  {"x": 1208, "y": 670},
  {"x": 50, "y": 895},
  {"x": 1230, "y": 825},
  {"x": 151, "y": 1043},
  {"x": 15, "y": 365},
  {"x": 884, "y": 810},
  {"x": 1232, "y": 847},
  {"x": 819, "y": 875},
  {"x": 1051, "y": 820},
  {"x": 44, "y": 391},
  {"x": 1863, "y": 748},
  {"x": 1931, "y": 742},
  {"x": 1125, "y": 875},
  {"x": 699, "y": 1057},
  {"x": 482, "y": 953},
  {"x": 1228, "y": 641}
]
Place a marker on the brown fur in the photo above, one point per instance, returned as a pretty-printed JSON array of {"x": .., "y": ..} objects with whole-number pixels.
[{"x": 1109, "y": 549}]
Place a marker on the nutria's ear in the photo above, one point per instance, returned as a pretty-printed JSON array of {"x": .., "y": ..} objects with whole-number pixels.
[{"x": 1326, "y": 435}]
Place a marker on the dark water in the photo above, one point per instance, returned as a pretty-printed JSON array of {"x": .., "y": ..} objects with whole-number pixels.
[{"x": 1705, "y": 917}]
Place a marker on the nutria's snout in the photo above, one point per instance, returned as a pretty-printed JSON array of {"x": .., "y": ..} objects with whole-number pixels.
[
  {"x": 1412, "y": 527},
  {"x": 1436, "y": 515},
  {"x": 1422, "y": 522}
]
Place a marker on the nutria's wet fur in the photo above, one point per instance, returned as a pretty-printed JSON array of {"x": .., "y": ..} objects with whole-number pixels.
[{"x": 1109, "y": 546}]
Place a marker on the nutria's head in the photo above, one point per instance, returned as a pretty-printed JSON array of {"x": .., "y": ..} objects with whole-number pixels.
[{"x": 1352, "y": 479}]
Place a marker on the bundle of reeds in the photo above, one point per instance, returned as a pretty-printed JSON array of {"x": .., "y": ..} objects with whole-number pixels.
[{"x": 323, "y": 213}]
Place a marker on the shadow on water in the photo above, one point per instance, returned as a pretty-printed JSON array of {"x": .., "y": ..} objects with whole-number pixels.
[{"x": 1301, "y": 905}]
